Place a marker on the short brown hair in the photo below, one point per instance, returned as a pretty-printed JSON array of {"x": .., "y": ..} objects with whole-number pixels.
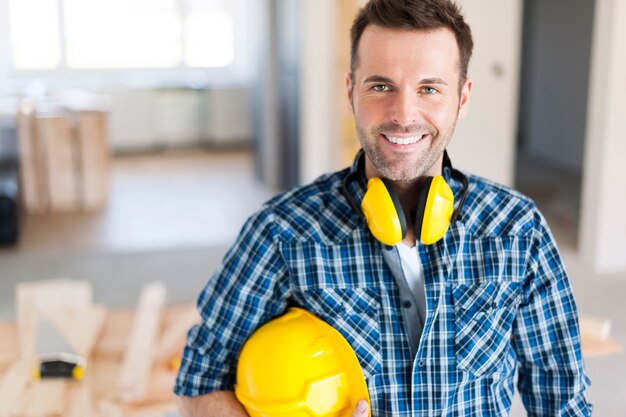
[{"x": 414, "y": 15}]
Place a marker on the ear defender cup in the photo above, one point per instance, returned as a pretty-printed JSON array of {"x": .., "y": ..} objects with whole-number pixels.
[
  {"x": 385, "y": 217},
  {"x": 383, "y": 212},
  {"x": 434, "y": 210}
]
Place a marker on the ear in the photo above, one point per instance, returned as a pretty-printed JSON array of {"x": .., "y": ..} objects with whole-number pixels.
[
  {"x": 349, "y": 89},
  {"x": 464, "y": 100}
]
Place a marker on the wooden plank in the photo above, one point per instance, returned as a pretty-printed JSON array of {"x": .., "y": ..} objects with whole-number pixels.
[
  {"x": 33, "y": 190},
  {"x": 46, "y": 398},
  {"x": 94, "y": 159},
  {"x": 159, "y": 390},
  {"x": 110, "y": 409},
  {"x": 594, "y": 328},
  {"x": 175, "y": 331},
  {"x": 139, "y": 355},
  {"x": 60, "y": 161},
  {"x": 104, "y": 375},
  {"x": 9, "y": 345},
  {"x": 48, "y": 299},
  {"x": 151, "y": 410},
  {"x": 80, "y": 327},
  {"x": 594, "y": 348},
  {"x": 113, "y": 338},
  {"x": 80, "y": 399},
  {"x": 26, "y": 301},
  {"x": 12, "y": 386}
]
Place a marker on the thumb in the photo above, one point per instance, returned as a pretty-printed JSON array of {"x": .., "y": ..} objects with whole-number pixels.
[{"x": 361, "y": 409}]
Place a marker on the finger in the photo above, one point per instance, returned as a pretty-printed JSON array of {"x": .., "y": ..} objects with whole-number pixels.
[{"x": 361, "y": 409}]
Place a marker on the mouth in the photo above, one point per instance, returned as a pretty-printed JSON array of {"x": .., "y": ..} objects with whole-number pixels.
[{"x": 409, "y": 140}]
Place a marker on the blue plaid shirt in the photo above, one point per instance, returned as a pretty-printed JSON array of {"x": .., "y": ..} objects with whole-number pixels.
[{"x": 500, "y": 310}]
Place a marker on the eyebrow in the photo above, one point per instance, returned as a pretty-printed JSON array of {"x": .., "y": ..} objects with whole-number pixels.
[
  {"x": 433, "y": 81},
  {"x": 377, "y": 79},
  {"x": 383, "y": 79}
]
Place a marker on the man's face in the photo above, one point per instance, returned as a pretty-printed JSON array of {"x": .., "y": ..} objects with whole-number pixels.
[{"x": 405, "y": 99}]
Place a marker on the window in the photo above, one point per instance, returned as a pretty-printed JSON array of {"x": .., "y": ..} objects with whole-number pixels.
[
  {"x": 35, "y": 36},
  {"x": 123, "y": 34}
]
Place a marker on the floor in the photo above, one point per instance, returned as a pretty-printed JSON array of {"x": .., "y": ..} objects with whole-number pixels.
[
  {"x": 172, "y": 216},
  {"x": 169, "y": 215}
]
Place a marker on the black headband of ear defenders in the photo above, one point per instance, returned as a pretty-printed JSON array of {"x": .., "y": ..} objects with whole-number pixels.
[{"x": 359, "y": 174}]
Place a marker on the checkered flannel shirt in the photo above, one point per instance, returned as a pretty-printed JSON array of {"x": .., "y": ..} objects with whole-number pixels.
[{"x": 500, "y": 310}]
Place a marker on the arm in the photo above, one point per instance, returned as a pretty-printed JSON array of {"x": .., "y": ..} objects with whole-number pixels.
[
  {"x": 225, "y": 404},
  {"x": 216, "y": 404},
  {"x": 546, "y": 339},
  {"x": 250, "y": 288}
]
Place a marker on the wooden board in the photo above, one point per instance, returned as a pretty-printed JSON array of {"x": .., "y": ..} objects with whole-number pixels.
[
  {"x": 13, "y": 385},
  {"x": 65, "y": 298},
  {"x": 60, "y": 161},
  {"x": 9, "y": 345},
  {"x": 96, "y": 395},
  {"x": 139, "y": 355},
  {"x": 593, "y": 348},
  {"x": 80, "y": 326},
  {"x": 94, "y": 159},
  {"x": 33, "y": 191},
  {"x": 175, "y": 329},
  {"x": 594, "y": 328}
]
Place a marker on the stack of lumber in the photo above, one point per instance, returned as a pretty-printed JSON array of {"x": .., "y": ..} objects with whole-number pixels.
[
  {"x": 129, "y": 353},
  {"x": 64, "y": 157}
]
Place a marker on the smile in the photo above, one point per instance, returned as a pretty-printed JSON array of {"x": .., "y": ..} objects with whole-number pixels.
[{"x": 404, "y": 141}]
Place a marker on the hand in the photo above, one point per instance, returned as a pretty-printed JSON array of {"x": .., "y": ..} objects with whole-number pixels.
[{"x": 361, "y": 409}]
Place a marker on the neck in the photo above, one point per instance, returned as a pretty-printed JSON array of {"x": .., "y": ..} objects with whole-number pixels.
[{"x": 407, "y": 192}]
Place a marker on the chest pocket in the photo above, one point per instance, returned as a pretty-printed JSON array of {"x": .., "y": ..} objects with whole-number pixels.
[
  {"x": 483, "y": 316},
  {"x": 355, "y": 313}
]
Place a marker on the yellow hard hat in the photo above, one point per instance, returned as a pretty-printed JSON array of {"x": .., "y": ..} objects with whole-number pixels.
[{"x": 299, "y": 366}]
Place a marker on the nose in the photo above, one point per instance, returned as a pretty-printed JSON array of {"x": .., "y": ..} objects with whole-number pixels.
[{"x": 404, "y": 109}]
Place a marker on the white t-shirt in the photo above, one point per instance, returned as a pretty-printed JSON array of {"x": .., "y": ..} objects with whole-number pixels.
[{"x": 412, "y": 268}]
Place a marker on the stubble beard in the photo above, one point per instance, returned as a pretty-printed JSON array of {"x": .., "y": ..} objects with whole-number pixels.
[{"x": 416, "y": 166}]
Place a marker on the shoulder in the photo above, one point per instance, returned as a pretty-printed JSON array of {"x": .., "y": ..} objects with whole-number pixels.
[
  {"x": 493, "y": 210},
  {"x": 317, "y": 211}
]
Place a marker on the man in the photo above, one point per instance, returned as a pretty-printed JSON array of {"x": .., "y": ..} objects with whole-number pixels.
[{"x": 444, "y": 329}]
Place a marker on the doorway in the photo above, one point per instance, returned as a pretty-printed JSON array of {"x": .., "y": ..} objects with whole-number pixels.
[{"x": 556, "y": 56}]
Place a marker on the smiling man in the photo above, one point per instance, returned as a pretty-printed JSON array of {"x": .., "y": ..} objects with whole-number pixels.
[
  {"x": 448, "y": 287},
  {"x": 406, "y": 89}
]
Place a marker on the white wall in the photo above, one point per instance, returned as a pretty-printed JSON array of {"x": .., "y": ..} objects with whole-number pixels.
[
  {"x": 5, "y": 47},
  {"x": 144, "y": 119},
  {"x": 319, "y": 147},
  {"x": 603, "y": 223},
  {"x": 484, "y": 142}
]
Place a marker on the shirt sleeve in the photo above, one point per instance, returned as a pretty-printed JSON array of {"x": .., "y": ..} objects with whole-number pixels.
[
  {"x": 248, "y": 290},
  {"x": 552, "y": 379}
]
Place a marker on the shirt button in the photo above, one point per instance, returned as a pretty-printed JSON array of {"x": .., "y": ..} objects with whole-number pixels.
[
  {"x": 406, "y": 304},
  {"x": 421, "y": 363}
]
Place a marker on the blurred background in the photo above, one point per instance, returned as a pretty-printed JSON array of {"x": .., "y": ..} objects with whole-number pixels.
[{"x": 136, "y": 136}]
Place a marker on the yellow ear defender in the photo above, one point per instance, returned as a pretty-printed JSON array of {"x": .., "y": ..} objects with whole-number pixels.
[{"x": 384, "y": 215}]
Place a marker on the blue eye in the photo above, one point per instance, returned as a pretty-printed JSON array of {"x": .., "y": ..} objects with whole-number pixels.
[
  {"x": 430, "y": 90},
  {"x": 380, "y": 87}
]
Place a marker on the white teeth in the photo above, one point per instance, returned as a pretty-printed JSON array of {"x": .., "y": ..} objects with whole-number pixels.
[{"x": 403, "y": 141}]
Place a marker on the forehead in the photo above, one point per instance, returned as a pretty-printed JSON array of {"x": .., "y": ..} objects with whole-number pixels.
[{"x": 382, "y": 50}]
